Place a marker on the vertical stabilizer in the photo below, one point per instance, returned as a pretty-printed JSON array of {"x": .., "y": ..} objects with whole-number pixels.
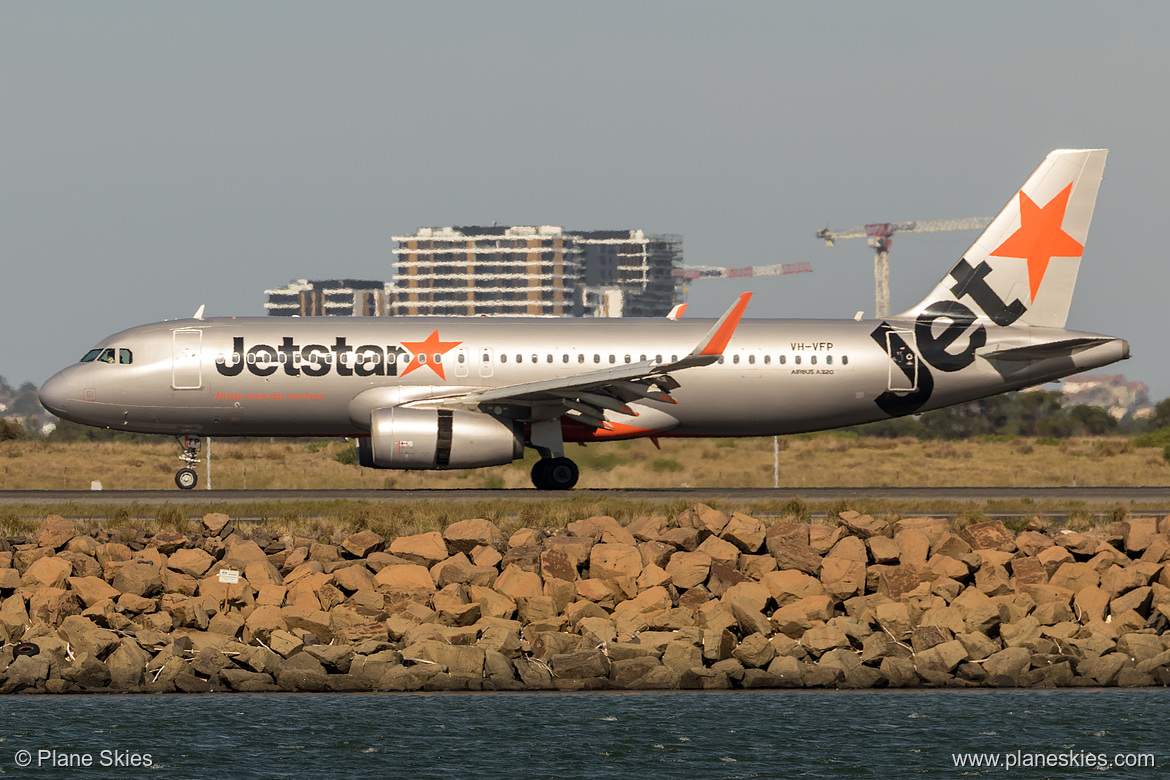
[{"x": 1024, "y": 265}]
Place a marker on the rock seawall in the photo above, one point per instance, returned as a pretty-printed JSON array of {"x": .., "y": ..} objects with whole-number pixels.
[{"x": 704, "y": 600}]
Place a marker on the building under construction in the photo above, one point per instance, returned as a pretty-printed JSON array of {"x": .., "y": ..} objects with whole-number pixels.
[
  {"x": 534, "y": 271},
  {"x": 333, "y": 298}
]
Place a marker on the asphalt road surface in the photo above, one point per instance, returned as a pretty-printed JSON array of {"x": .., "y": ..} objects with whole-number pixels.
[{"x": 1144, "y": 497}]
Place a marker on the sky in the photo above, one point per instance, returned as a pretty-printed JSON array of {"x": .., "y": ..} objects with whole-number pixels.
[{"x": 155, "y": 157}]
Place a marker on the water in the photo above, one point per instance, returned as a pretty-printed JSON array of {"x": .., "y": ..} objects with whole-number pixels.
[{"x": 643, "y": 735}]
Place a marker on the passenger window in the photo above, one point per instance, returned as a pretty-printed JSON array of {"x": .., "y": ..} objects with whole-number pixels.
[
  {"x": 519, "y": 358},
  {"x": 844, "y": 360},
  {"x": 90, "y": 356},
  {"x": 596, "y": 358},
  {"x": 767, "y": 360},
  {"x": 460, "y": 358},
  {"x": 251, "y": 359},
  {"x": 125, "y": 357},
  {"x": 581, "y": 358},
  {"x": 796, "y": 360},
  {"x": 437, "y": 358},
  {"x": 642, "y": 358},
  {"x": 503, "y": 358},
  {"x": 627, "y": 358},
  {"x": 674, "y": 358},
  {"x": 720, "y": 360},
  {"x": 534, "y": 358},
  {"x": 565, "y": 358},
  {"x": 283, "y": 357},
  {"x": 421, "y": 358},
  {"x": 829, "y": 360},
  {"x": 751, "y": 359},
  {"x": 549, "y": 359},
  {"x": 813, "y": 360},
  {"x": 658, "y": 358},
  {"x": 735, "y": 359},
  {"x": 612, "y": 359},
  {"x": 783, "y": 359}
]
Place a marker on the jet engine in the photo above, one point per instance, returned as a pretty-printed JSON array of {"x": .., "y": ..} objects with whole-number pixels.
[{"x": 405, "y": 438}]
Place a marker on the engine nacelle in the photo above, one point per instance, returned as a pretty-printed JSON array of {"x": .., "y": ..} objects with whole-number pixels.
[{"x": 404, "y": 438}]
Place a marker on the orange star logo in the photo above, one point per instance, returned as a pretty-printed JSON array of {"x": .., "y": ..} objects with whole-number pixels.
[
  {"x": 1040, "y": 237},
  {"x": 430, "y": 351}
]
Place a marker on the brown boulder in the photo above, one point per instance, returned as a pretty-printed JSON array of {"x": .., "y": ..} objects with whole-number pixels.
[
  {"x": 409, "y": 577},
  {"x": 48, "y": 572},
  {"x": 92, "y": 590},
  {"x": 190, "y": 561},
  {"x": 992, "y": 535},
  {"x": 688, "y": 569},
  {"x": 721, "y": 551},
  {"x": 614, "y": 560},
  {"x": 515, "y": 583},
  {"x": 863, "y": 526},
  {"x": 897, "y": 580},
  {"x": 1075, "y": 576},
  {"x": 55, "y": 532},
  {"x": 141, "y": 579},
  {"x": 843, "y": 577},
  {"x": 746, "y": 533},
  {"x": 704, "y": 519},
  {"x": 800, "y": 557},
  {"x": 363, "y": 543},
  {"x": 215, "y": 523},
  {"x": 424, "y": 549},
  {"x": 465, "y": 535},
  {"x": 1139, "y": 533}
]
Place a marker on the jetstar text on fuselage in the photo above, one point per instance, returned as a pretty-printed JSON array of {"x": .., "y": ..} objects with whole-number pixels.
[{"x": 312, "y": 359}]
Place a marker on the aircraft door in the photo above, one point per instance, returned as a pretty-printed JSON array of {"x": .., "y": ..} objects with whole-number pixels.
[
  {"x": 186, "y": 367},
  {"x": 900, "y": 345},
  {"x": 486, "y": 362},
  {"x": 461, "y": 362}
]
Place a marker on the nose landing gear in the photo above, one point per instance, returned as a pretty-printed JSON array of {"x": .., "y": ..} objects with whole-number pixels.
[{"x": 186, "y": 478}]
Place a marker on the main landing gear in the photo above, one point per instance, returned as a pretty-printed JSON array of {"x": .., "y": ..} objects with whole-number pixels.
[
  {"x": 554, "y": 474},
  {"x": 186, "y": 478}
]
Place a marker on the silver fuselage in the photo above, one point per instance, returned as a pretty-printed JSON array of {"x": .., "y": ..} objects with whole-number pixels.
[{"x": 266, "y": 376}]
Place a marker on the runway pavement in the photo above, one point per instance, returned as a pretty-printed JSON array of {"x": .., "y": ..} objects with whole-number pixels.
[{"x": 1143, "y": 497}]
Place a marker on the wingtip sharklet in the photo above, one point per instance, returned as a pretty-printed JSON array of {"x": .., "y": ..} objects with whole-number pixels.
[{"x": 723, "y": 330}]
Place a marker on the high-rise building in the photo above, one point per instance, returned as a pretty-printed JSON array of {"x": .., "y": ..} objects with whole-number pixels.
[
  {"x": 332, "y": 298},
  {"x": 535, "y": 271}
]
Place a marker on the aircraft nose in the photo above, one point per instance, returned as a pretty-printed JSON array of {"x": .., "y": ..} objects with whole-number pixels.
[{"x": 54, "y": 394}]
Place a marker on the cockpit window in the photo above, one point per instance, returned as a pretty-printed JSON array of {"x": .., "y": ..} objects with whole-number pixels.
[{"x": 109, "y": 355}]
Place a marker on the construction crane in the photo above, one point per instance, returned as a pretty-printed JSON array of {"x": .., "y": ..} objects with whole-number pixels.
[
  {"x": 684, "y": 275},
  {"x": 881, "y": 235}
]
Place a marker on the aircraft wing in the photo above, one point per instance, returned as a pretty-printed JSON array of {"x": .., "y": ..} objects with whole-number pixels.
[{"x": 586, "y": 397}]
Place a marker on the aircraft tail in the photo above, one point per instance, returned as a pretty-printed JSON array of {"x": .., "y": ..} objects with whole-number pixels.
[{"x": 1024, "y": 266}]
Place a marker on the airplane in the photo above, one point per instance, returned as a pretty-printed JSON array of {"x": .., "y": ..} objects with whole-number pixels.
[{"x": 469, "y": 392}]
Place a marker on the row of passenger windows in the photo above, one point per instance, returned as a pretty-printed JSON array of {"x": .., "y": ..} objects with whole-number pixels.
[
  {"x": 374, "y": 358},
  {"x": 109, "y": 355},
  {"x": 613, "y": 359}
]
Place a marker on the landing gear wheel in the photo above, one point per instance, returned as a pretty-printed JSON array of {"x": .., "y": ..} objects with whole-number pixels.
[
  {"x": 186, "y": 478},
  {"x": 538, "y": 471},
  {"x": 554, "y": 474}
]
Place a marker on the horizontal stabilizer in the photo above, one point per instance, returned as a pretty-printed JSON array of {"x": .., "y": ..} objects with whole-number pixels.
[{"x": 1054, "y": 349}]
